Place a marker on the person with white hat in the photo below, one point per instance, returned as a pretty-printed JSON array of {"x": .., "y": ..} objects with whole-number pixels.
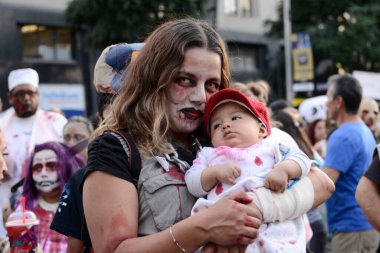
[{"x": 24, "y": 125}]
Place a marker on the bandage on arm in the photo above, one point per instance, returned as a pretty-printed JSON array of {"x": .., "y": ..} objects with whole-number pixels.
[{"x": 277, "y": 207}]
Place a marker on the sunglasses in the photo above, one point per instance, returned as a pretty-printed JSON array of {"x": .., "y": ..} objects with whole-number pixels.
[{"x": 50, "y": 166}]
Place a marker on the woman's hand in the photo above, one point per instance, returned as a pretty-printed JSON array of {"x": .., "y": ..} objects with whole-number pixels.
[{"x": 231, "y": 221}]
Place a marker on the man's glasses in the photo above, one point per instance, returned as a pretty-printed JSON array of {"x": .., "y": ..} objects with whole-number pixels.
[
  {"x": 50, "y": 166},
  {"x": 22, "y": 93}
]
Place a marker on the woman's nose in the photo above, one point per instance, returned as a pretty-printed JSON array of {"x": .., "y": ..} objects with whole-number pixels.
[
  {"x": 70, "y": 142},
  {"x": 43, "y": 173},
  {"x": 198, "y": 95}
]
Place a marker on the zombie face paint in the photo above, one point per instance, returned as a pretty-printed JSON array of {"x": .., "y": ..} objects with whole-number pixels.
[
  {"x": 45, "y": 171},
  {"x": 198, "y": 78}
]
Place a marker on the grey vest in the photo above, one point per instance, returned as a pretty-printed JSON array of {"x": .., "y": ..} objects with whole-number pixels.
[{"x": 163, "y": 196}]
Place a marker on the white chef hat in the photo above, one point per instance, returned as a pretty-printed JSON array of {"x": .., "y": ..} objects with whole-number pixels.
[{"x": 22, "y": 76}]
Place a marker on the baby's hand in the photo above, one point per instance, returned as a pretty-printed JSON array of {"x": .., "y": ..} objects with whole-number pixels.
[
  {"x": 277, "y": 180},
  {"x": 227, "y": 173}
]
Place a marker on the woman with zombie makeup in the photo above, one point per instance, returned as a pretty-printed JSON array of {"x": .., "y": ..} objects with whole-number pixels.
[
  {"x": 161, "y": 104},
  {"x": 48, "y": 169}
]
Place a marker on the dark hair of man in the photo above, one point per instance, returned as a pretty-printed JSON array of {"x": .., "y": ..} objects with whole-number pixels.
[{"x": 348, "y": 87}]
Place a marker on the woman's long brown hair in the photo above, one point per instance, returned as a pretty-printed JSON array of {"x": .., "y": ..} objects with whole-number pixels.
[{"x": 141, "y": 107}]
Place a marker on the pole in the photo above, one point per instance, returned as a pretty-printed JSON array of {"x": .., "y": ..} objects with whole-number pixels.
[{"x": 288, "y": 57}]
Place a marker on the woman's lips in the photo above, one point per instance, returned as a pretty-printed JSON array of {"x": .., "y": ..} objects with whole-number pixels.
[{"x": 192, "y": 114}]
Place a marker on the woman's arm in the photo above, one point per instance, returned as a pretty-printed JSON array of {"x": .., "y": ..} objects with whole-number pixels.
[
  {"x": 323, "y": 186},
  {"x": 111, "y": 211},
  {"x": 309, "y": 192},
  {"x": 368, "y": 197},
  {"x": 74, "y": 245}
]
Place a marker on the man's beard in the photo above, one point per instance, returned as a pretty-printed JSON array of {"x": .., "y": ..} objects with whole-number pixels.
[
  {"x": 27, "y": 114},
  {"x": 25, "y": 111}
]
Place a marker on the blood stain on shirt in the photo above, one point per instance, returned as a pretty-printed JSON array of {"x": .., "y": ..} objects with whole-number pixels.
[{"x": 219, "y": 189}]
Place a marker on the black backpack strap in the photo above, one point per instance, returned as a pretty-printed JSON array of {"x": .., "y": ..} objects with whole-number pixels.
[{"x": 132, "y": 152}]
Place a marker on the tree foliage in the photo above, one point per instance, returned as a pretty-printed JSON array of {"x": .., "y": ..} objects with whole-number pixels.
[
  {"x": 345, "y": 33},
  {"x": 113, "y": 21}
]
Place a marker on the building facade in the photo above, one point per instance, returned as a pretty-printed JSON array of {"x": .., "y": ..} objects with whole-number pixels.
[
  {"x": 36, "y": 35},
  {"x": 252, "y": 54}
]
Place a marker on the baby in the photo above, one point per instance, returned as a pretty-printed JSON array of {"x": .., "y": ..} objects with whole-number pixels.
[{"x": 246, "y": 157}]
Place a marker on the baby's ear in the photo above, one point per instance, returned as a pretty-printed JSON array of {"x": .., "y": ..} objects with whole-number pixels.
[{"x": 263, "y": 131}]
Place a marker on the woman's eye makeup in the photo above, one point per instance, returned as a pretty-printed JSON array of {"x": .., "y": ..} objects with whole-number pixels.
[
  {"x": 184, "y": 81},
  {"x": 37, "y": 167},
  {"x": 50, "y": 166},
  {"x": 212, "y": 86}
]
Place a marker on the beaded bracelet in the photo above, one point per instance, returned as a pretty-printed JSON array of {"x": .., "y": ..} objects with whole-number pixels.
[{"x": 175, "y": 241}]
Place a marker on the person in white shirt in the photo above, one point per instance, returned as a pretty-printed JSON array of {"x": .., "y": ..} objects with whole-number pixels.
[{"x": 24, "y": 125}]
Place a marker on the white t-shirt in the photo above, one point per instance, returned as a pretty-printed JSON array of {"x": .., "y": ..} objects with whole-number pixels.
[{"x": 21, "y": 135}]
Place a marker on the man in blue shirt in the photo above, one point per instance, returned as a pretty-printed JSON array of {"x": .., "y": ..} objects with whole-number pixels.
[{"x": 349, "y": 153}]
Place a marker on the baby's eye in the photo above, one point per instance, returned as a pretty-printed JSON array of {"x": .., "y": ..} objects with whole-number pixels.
[
  {"x": 216, "y": 126},
  {"x": 236, "y": 117}
]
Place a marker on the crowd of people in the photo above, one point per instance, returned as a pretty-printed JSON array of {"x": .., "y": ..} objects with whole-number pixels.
[{"x": 185, "y": 160}]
